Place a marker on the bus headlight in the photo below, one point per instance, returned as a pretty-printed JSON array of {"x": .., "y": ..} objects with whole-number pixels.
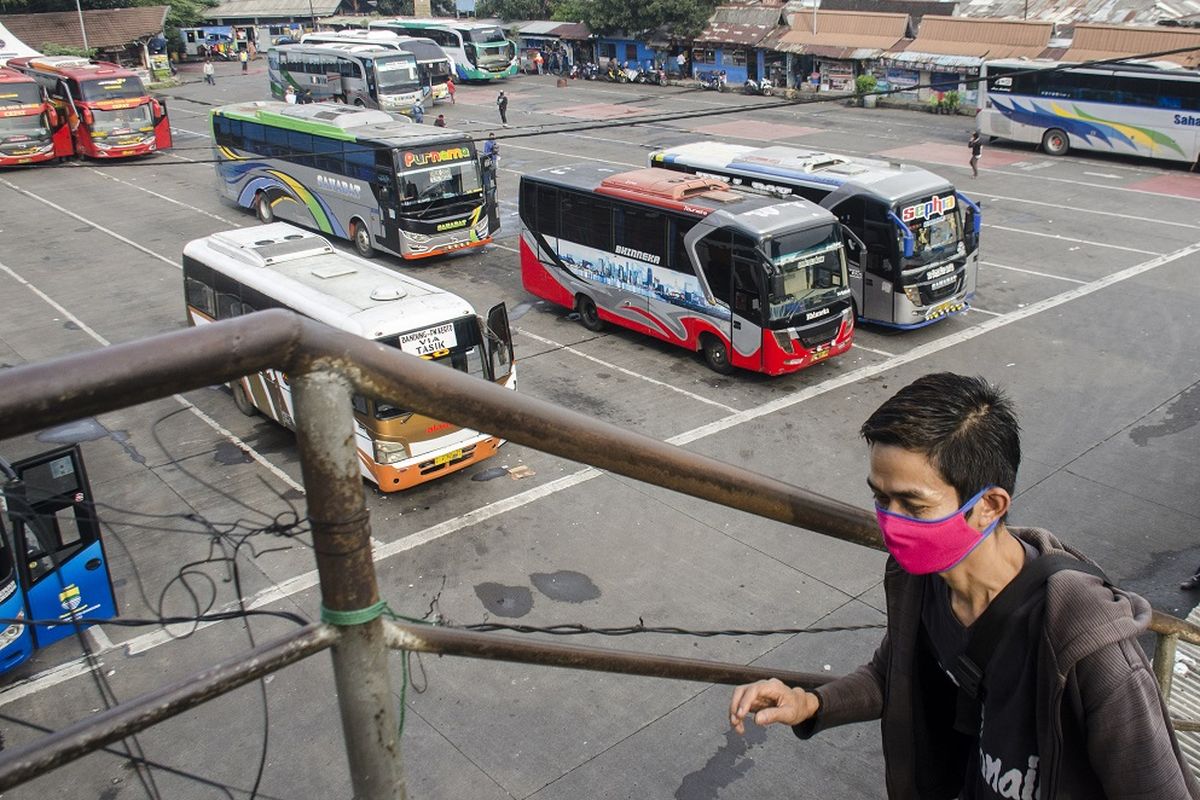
[
  {"x": 415, "y": 238},
  {"x": 913, "y": 294},
  {"x": 481, "y": 228},
  {"x": 13, "y": 632},
  {"x": 390, "y": 452}
]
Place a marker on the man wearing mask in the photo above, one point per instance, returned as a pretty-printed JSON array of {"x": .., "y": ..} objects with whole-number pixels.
[{"x": 1063, "y": 704}]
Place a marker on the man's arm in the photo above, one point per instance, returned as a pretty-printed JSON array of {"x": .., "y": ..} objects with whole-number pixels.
[{"x": 1129, "y": 745}]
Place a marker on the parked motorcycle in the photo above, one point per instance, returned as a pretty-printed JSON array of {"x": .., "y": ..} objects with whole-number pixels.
[
  {"x": 617, "y": 75},
  {"x": 764, "y": 87},
  {"x": 712, "y": 80},
  {"x": 651, "y": 76}
]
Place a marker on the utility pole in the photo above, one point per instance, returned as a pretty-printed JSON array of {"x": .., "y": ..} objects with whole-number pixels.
[{"x": 82, "y": 28}]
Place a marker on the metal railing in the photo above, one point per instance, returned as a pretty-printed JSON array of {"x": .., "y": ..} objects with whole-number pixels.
[{"x": 325, "y": 368}]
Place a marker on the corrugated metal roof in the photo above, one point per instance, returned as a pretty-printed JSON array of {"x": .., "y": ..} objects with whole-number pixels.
[
  {"x": 252, "y": 9},
  {"x": 1094, "y": 42},
  {"x": 1068, "y": 12},
  {"x": 572, "y": 30},
  {"x": 537, "y": 26},
  {"x": 918, "y": 60},
  {"x": 743, "y": 24},
  {"x": 914, "y": 8},
  {"x": 1184, "y": 701},
  {"x": 106, "y": 28},
  {"x": 980, "y": 38},
  {"x": 842, "y": 32}
]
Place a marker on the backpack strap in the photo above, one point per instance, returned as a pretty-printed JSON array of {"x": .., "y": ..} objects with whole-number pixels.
[{"x": 995, "y": 621}]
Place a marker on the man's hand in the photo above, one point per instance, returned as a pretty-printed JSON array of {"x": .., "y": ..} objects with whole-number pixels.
[{"x": 773, "y": 701}]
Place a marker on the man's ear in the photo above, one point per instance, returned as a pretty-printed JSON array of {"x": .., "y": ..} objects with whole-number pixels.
[{"x": 992, "y": 506}]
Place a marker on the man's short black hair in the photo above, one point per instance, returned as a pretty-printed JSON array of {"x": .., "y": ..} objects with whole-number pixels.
[{"x": 966, "y": 427}]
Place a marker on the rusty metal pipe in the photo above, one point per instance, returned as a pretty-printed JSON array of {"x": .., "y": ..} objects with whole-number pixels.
[
  {"x": 341, "y": 534},
  {"x": 497, "y": 647},
  {"x": 93, "y": 732}
]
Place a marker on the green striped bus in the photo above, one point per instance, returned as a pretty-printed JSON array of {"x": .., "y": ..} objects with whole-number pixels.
[{"x": 385, "y": 184}]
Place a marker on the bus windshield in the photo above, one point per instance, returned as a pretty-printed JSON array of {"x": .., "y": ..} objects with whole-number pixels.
[
  {"x": 112, "y": 89},
  {"x": 21, "y": 94},
  {"x": 122, "y": 121},
  {"x": 19, "y": 129},
  {"x": 396, "y": 75},
  {"x": 813, "y": 268},
  {"x": 484, "y": 35},
  {"x": 463, "y": 351},
  {"x": 936, "y": 228},
  {"x": 442, "y": 182}
]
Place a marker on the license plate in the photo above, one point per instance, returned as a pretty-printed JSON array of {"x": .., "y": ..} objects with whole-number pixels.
[
  {"x": 446, "y": 458},
  {"x": 819, "y": 354}
]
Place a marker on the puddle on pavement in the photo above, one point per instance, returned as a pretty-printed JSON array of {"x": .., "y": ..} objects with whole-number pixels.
[
  {"x": 565, "y": 585},
  {"x": 505, "y": 601}
]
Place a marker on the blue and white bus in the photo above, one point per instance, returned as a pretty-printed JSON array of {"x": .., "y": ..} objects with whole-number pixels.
[
  {"x": 53, "y": 567},
  {"x": 433, "y": 65},
  {"x": 1138, "y": 109},
  {"x": 914, "y": 256},
  {"x": 480, "y": 50}
]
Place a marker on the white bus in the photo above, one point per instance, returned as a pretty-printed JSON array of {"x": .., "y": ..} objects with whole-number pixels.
[
  {"x": 480, "y": 50},
  {"x": 919, "y": 258},
  {"x": 361, "y": 75},
  {"x": 242, "y": 271},
  {"x": 434, "y": 67},
  {"x": 1139, "y": 109}
]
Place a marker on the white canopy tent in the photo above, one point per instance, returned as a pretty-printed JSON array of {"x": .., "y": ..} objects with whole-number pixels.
[{"x": 12, "y": 47}]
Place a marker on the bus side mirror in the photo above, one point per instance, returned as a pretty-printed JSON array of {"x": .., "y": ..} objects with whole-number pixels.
[
  {"x": 156, "y": 109},
  {"x": 497, "y": 323},
  {"x": 852, "y": 241},
  {"x": 86, "y": 113},
  {"x": 776, "y": 286},
  {"x": 51, "y": 118}
]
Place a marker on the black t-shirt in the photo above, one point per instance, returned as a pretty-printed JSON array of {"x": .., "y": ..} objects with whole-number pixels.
[
  {"x": 976, "y": 146},
  {"x": 1004, "y": 761}
]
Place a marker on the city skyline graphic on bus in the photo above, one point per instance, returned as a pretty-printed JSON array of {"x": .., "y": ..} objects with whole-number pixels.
[{"x": 639, "y": 277}]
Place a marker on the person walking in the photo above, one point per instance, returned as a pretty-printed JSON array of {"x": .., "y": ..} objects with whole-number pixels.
[
  {"x": 538, "y": 61},
  {"x": 451, "y": 88},
  {"x": 502, "y": 107},
  {"x": 440, "y": 122},
  {"x": 418, "y": 112},
  {"x": 289, "y": 95},
  {"x": 491, "y": 154},
  {"x": 976, "y": 145},
  {"x": 1011, "y": 666},
  {"x": 244, "y": 57},
  {"x": 209, "y": 72}
]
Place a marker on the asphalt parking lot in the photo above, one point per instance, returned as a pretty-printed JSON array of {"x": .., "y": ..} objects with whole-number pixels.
[{"x": 1088, "y": 296}]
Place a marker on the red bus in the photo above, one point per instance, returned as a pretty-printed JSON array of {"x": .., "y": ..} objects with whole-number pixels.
[
  {"x": 750, "y": 281},
  {"x": 31, "y": 130},
  {"x": 106, "y": 106}
]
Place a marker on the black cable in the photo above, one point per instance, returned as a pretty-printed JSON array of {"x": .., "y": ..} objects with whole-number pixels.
[{"x": 574, "y": 629}]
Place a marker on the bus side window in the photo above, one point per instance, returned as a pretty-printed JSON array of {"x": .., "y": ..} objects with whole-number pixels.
[
  {"x": 328, "y": 155},
  {"x": 747, "y": 292},
  {"x": 301, "y": 147},
  {"x": 66, "y": 538},
  {"x": 645, "y": 231},
  {"x": 200, "y": 297},
  {"x": 360, "y": 161},
  {"x": 547, "y": 211},
  {"x": 716, "y": 261},
  {"x": 680, "y": 260},
  {"x": 528, "y": 203},
  {"x": 277, "y": 142}
]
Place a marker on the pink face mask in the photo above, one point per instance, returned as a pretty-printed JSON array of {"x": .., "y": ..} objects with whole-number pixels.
[{"x": 925, "y": 546}]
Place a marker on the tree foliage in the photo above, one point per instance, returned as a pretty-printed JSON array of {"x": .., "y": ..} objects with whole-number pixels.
[
  {"x": 684, "y": 18},
  {"x": 183, "y": 13},
  {"x": 515, "y": 9}
]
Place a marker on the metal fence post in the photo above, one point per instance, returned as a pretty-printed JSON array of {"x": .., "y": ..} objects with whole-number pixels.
[
  {"x": 1164, "y": 661},
  {"x": 342, "y": 541}
]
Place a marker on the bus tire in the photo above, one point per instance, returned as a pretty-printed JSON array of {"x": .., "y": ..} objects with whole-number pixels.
[
  {"x": 242, "y": 400},
  {"x": 262, "y": 208},
  {"x": 358, "y": 101},
  {"x": 361, "y": 236},
  {"x": 1055, "y": 142},
  {"x": 716, "y": 354},
  {"x": 589, "y": 317}
]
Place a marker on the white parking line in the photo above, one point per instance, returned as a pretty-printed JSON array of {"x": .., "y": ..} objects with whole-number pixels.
[
  {"x": 1031, "y": 272},
  {"x": 883, "y": 353},
  {"x": 623, "y": 371},
  {"x": 1027, "y": 202},
  {"x": 1062, "y": 238},
  {"x": 985, "y": 311},
  {"x": 164, "y": 197}
]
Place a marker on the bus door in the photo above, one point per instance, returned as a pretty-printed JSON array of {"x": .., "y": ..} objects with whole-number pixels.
[
  {"x": 387, "y": 192},
  {"x": 60, "y": 131},
  {"x": 733, "y": 269},
  {"x": 16, "y": 640},
  {"x": 56, "y": 536},
  {"x": 872, "y": 277},
  {"x": 162, "y": 123}
]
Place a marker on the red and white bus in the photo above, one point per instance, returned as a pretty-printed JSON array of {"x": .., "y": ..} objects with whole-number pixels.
[
  {"x": 31, "y": 130},
  {"x": 752, "y": 282},
  {"x": 106, "y": 106}
]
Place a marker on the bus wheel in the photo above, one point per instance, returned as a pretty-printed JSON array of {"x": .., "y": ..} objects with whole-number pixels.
[
  {"x": 241, "y": 400},
  {"x": 262, "y": 208},
  {"x": 358, "y": 101},
  {"x": 589, "y": 317},
  {"x": 1055, "y": 142},
  {"x": 362, "y": 239},
  {"x": 716, "y": 354}
]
